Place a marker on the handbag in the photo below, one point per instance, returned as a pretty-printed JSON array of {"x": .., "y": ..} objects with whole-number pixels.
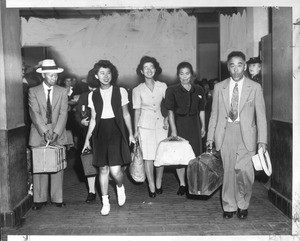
[
  {"x": 137, "y": 168},
  {"x": 87, "y": 163},
  {"x": 205, "y": 173}
]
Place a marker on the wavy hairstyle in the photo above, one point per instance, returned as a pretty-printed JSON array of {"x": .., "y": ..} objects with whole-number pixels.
[
  {"x": 148, "y": 59},
  {"x": 107, "y": 65},
  {"x": 184, "y": 65},
  {"x": 91, "y": 80}
]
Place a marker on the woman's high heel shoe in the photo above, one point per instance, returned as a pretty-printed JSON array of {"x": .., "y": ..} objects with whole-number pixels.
[
  {"x": 152, "y": 194},
  {"x": 159, "y": 190}
]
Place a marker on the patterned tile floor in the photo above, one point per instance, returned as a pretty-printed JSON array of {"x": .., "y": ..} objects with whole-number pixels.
[{"x": 165, "y": 215}]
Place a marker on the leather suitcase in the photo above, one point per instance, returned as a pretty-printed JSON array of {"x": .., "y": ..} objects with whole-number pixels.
[
  {"x": 87, "y": 163},
  {"x": 205, "y": 174}
]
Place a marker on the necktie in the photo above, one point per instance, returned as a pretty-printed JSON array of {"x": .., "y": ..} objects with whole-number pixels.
[
  {"x": 233, "y": 113},
  {"x": 49, "y": 109}
]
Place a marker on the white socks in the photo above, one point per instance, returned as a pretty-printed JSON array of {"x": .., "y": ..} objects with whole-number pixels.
[
  {"x": 106, "y": 206},
  {"x": 121, "y": 195}
]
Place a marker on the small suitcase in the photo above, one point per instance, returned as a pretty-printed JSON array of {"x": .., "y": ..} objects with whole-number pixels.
[
  {"x": 48, "y": 159},
  {"x": 87, "y": 163},
  {"x": 205, "y": 174}
]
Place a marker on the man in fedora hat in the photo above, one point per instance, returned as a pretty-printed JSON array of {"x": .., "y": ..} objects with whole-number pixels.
[
  {"x": 254, "y": 69},
  {"x": 48, "y": 107},
  {"x": 237, "y": 126}
]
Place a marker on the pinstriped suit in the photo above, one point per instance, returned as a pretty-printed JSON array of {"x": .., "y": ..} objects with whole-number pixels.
[
  {"x": 37, "y": 110},
  {"x": 245, "y": 135}
]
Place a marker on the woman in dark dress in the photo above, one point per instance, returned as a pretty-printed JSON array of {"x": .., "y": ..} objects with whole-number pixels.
[
  {"x": 82, "y": 117},
  {"x": 186, "y": 108},
  {"x": 109, "y": 112}
]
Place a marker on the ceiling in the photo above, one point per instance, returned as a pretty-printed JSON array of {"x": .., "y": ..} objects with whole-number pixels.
[{"x": 204, "y": 13}]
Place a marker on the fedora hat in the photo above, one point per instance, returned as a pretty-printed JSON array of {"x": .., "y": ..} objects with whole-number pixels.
[
  {"x": 261, "y": 162},
  {"x": 49, "y": 66}
]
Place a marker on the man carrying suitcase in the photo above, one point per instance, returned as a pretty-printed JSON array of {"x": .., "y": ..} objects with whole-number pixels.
[
  {"x": 48, "y": 108},
  {"x": 237, "y": 125}
]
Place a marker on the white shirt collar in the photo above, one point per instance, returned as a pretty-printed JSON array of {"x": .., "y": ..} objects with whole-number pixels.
[
  {"x": 240, "y": 82},
  {"x": 46, "y": 87}
]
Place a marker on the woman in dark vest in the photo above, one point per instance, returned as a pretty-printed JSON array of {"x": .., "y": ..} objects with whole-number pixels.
[{"x": 109, "y": 112}]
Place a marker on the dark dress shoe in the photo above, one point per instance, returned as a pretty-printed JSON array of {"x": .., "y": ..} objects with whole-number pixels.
[
  {"x": 90, "y": 197},
  {"x": 38, "y": 206},
  {"x": 152, "y": 194},
  {"x": 242, "y": 213},
  {"x": 228, "y": 215},
  {"x": 59, "y": 205},
  {"x": 181, "y": 191},
  {"x": 159, "y": 190}
]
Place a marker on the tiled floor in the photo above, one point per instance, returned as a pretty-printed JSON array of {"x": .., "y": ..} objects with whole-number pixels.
[{"x": 167, "y": 214}]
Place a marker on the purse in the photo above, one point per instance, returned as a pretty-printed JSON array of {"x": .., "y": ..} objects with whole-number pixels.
[
  {"x": 137, "y": 168},
  {"x": 87, "y": 163}
]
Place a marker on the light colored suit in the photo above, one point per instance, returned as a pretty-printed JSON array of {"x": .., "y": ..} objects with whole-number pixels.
[
  {"x": 37, "y": 110},
  {"x": 245, "y": 135}
]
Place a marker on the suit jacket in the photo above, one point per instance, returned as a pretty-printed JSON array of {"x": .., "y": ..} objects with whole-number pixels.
[
  {"x": 37, "y": 109},
  {"x": 252, "y": 112}
]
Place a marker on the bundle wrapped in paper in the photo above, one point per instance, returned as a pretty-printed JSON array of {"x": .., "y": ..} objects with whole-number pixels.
[{"x": 173, "y": 151}]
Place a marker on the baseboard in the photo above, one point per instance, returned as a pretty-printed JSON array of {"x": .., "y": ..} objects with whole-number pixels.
[
  {"x": 14, "y": 217},
  {"x": 281, "y": 202}
]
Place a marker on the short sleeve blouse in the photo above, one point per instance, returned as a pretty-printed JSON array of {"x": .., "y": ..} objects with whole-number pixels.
[
  {"x": 150, "y": 104},
  {"x": 106, "y": 96},
  {"x": 184, "y": 102}
]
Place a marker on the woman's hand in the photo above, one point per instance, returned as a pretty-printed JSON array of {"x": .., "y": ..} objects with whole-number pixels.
[
  {"x": 136, "y": 134},
  {"x": 166, "y": 123},
  {"x": 203, "y": 132},
  {"x": 173, "y": 133},
  {"x": 263, "y": 146},
  {"x": 85, "y": 121},
  {"x": 86, "y": 145},
  {"x": 132, "y": 139}
]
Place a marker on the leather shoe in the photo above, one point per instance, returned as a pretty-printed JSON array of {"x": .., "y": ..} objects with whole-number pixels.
[
  {"x": 38, "y": 206},
  {"x": 90, "y": 197},
  {"x": 242, "y": 213},
  {"x": 228, "y": 215},
  {"x": 159, "y": 190},
  {"x": 181, "y": 191},
  {"x": 59, "y": 205}
]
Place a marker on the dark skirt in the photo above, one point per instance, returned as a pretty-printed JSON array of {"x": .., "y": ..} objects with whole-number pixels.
[
  {"x": 189, "y": 128},
  {"x": 107, "y": 148}
]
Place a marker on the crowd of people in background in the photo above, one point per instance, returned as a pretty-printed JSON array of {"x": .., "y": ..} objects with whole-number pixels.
[{"x": 188, "y": 109}]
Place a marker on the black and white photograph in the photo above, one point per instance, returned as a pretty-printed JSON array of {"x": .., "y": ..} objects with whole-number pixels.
[{"x": 148, "y": 120}]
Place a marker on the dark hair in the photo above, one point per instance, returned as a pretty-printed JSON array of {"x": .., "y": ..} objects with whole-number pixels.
[
  {"x": 63, "y": 81},
  {"x": 107, "y": 64},
  {"x": 184, "y": 65},
  {"x": 148, "y": 59},
  {"x": 236, "y": 54},
  {"x": 91, "y": 80}
]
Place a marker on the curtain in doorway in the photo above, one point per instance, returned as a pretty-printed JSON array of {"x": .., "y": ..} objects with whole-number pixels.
[{"x": 233, "y": 34}]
